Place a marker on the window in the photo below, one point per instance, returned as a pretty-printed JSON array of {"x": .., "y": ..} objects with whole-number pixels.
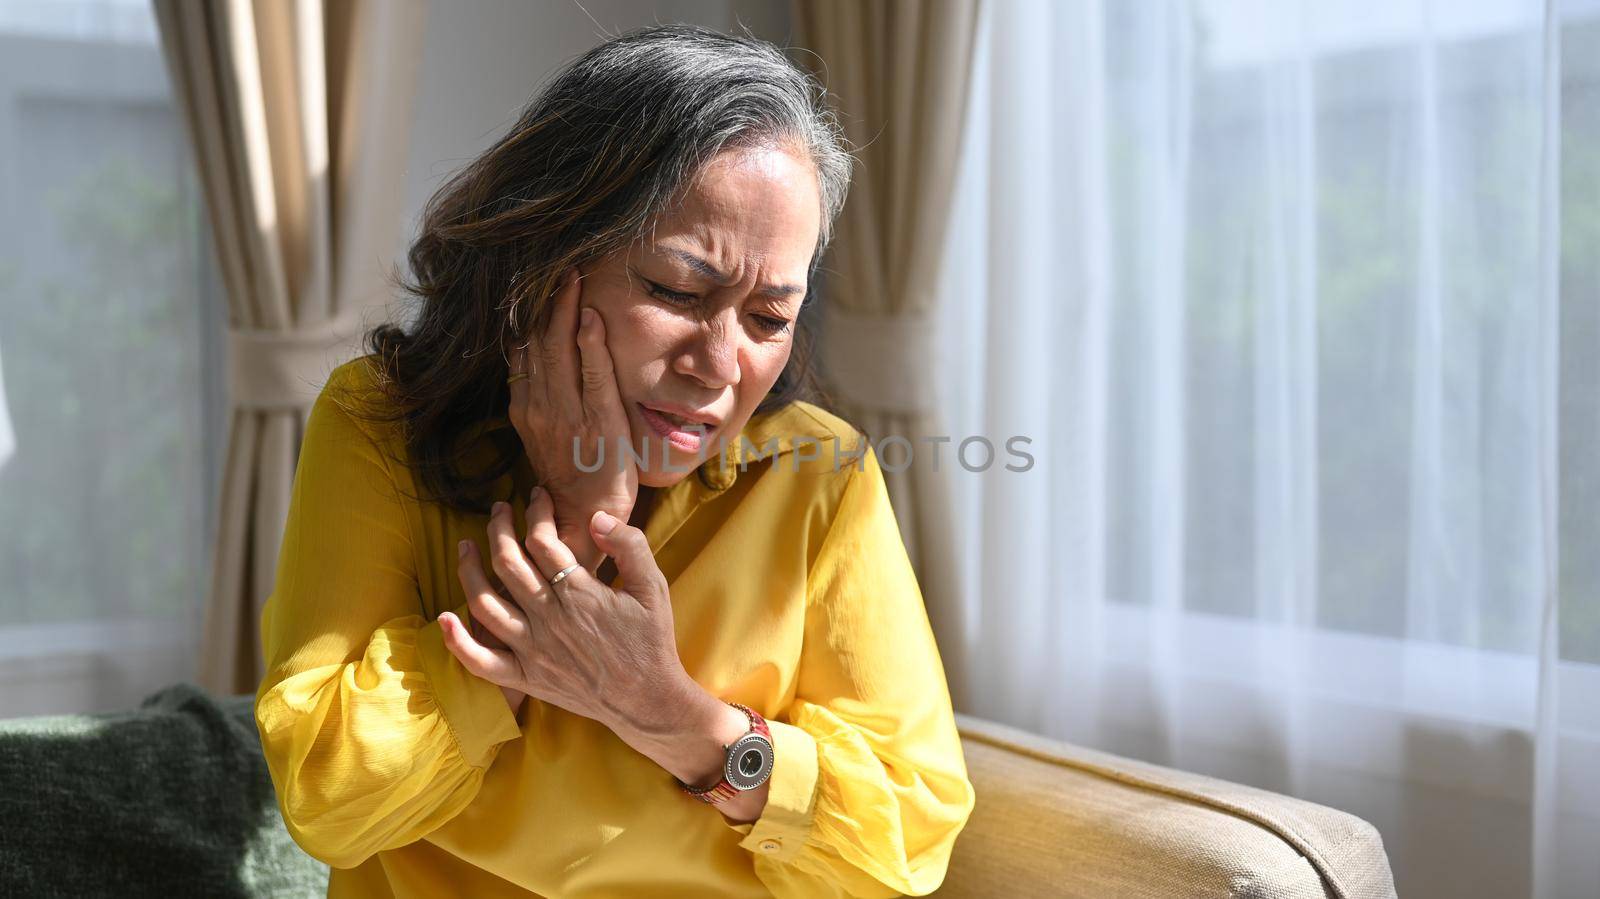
[
  {"x": 1388, "y": 185},
  {"x": 110, "y": 343}
]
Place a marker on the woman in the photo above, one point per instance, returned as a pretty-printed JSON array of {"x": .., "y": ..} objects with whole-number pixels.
[{"x": 699, "y": 668}]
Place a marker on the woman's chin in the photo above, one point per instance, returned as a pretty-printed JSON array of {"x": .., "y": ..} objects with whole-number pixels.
[
  {"x": 661, "y": 479},
  {"x": 679, "y": 463}
]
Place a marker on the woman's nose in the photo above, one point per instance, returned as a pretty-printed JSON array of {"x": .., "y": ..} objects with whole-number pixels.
[{"x": 712, "y": 358}]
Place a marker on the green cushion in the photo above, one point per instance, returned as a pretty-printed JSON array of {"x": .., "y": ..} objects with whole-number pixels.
[{"x": 170, "y": 799}]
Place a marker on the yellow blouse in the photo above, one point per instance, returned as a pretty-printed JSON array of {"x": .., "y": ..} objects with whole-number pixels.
[{"x": 791, "y": 592}]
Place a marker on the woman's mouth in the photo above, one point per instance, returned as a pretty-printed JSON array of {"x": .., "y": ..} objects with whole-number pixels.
[{"x": 680, "y": 432}]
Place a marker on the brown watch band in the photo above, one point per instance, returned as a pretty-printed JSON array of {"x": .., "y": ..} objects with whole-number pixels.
[{"x": 747, "y": 760}]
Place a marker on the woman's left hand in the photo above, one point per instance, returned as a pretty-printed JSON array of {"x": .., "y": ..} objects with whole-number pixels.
[{"x": 609, "y": 655}]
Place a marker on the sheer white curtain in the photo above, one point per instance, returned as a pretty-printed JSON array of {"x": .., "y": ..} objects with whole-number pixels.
[
  {"x": 8, "y": 437},
  {"x": 106, "y": 453},
  {"x": 1278, "y": 293}
]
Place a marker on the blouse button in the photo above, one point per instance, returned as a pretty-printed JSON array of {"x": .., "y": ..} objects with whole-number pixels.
[{"x": 770, "y": 845}]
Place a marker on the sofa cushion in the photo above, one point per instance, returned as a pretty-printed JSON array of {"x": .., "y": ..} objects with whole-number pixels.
[
  {"x": 1052, "y": 819},
  {"x": 170, "y": 799},
  {"x": 174, "y": 799}
]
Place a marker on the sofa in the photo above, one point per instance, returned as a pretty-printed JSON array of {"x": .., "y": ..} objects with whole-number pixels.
[{"x": 173, "y": 799}]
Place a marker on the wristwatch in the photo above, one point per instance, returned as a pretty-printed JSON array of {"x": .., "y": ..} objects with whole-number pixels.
[{"x": 747, "y": 762}]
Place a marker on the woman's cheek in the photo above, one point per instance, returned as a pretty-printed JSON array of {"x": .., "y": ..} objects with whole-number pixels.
[
  {"x": 640, "y": 349},
  {"x": 647, "y": 319},
  {"x": 765, "y": 364}
]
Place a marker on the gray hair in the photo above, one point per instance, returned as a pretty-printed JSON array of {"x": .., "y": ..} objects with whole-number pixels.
[
  {"x": 682, "y": 93},
  {"x": 607, "y": 146}
]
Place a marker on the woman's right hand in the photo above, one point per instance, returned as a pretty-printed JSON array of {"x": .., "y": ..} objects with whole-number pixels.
[
  {"x": 571, "y": 396},
  {"x": 483, "y": 635}
]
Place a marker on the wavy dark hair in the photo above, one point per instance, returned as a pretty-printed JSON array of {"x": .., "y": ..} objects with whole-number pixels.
[{"x": 599, "y": 153}]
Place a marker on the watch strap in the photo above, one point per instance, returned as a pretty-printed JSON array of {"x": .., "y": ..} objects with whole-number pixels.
[{"x": 723, "y": 789}]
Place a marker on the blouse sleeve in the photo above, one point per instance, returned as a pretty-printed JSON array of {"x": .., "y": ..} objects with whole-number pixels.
[
  {"x": 869, "y": 786},
  {"x": 374, "y": 733}
]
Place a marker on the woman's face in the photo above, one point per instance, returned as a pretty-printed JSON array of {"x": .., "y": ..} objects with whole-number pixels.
[{"x": 699, "y": 316}]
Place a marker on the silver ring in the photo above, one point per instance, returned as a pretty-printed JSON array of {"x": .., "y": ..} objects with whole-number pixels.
[{"x": 562, "y": 574}]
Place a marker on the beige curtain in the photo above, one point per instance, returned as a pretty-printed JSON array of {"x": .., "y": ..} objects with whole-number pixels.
[
  {"x": 899, "y": 70},
  {"x": 298, "y": 113}
]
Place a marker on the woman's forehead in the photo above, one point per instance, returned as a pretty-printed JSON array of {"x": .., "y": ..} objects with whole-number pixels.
[{"x": 758, "y": 206}]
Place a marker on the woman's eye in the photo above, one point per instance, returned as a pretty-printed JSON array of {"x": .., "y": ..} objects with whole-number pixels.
[
  {"x": 770, "y": 325},
  {"x": 677, "y": 297},
  {"x": 766, "y": 324}
]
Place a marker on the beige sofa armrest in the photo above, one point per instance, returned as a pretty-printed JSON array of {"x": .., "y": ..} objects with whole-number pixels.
[{"x": 1053, "y": 819}]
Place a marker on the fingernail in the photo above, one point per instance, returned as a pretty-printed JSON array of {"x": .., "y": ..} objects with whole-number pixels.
[
  {"x": 534, "y": 494},
  {"x": 495, "y": 509},
  {"x": 604, "y": 523},
  {"x": 464, "y": 547},
  {"x": 587, "y": 316}
]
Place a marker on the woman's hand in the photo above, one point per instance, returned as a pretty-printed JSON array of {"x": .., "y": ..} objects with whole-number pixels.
[
  {"x": 571, "y": 397},
  {"x": 483, "y": 635},
  {"x": 609, "y": 655}
]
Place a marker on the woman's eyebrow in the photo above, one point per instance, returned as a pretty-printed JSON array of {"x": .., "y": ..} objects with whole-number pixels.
[{"x": 711, "y": 272}]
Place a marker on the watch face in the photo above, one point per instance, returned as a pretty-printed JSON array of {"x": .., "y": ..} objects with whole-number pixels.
[{"x": 749, "y": 761}]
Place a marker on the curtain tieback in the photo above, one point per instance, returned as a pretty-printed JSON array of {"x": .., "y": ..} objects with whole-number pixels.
[
  {"x": 286, "y": 369},
  {"x": 878, "y": 362}
]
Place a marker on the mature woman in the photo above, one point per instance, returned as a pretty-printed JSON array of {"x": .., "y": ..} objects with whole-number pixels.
[{"x": 579, "y": 594}]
